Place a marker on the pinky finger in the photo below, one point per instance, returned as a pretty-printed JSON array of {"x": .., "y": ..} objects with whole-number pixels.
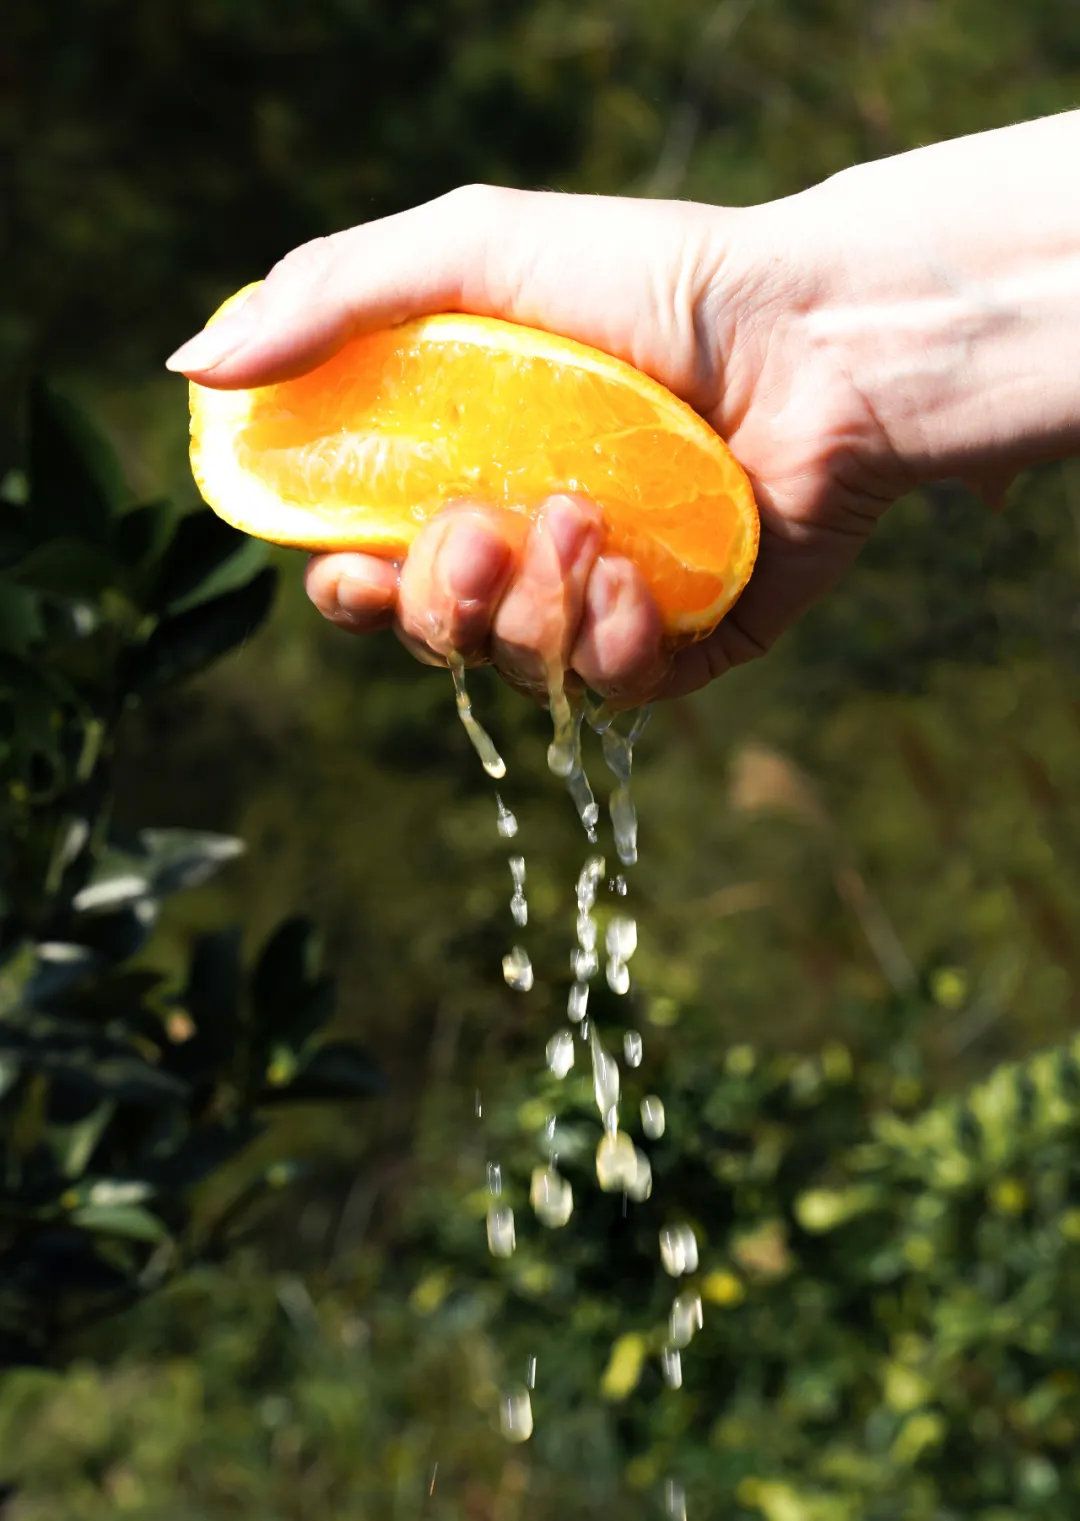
[{"x": 353, "y": 591}]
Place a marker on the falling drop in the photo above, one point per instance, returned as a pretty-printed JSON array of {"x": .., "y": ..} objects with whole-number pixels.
[
  {"x": 621, "y": 937},
  {"x": 674, "y": 1501},
  {"x": 686, "y": 1318},
  {"x": 517, "y": 970},
  {"x": 618, "y": 976},
  {"x": 494, "y": 1179},
  {"x": 584, "y": 964},
  {"x": 500, "y": 1230},
  {"x": 616, "y": 1163},
  {"x": 482, "y": 742},
  {"x": 632, "y": 1049},
  {"x": 507, "y": 823},
  {"x": 653, "y": 1118},
  {"x": 577, "y": 1002},
  {"x": 519, "y": 908},
  {"x": 678, "y": 1250},
  {"x": 641, "y": 1187},
  {"x": 551, "y": 1197},
  {"x": 560, "y": 1053},
  {"x": 671, "y": 1367},
  {"x": 515, "y": 1415},
  {"x": 530, "y": 1373},
  {"x": 586, "y": 932},
  {"x": 605, "y": 1077}
]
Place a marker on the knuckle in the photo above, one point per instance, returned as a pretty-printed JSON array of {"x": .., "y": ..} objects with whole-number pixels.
[
  {"x": 480, "y": 201},
  {"x": 301, "y": 262}
]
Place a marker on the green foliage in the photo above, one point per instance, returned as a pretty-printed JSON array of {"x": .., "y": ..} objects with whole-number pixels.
[
  {"x": 861, "y": 850},
  {"x": 121, "y": 1093}
]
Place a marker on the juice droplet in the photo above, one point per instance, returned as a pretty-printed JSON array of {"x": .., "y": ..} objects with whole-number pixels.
[
  {"x": 480, "y": 739},
  {"x": 560, "y": 1053},
  {"x": 632, "y": 1048},
  {"x": 619, "y": 758},
  {"x": 653, "y": 1119},
  {"x": 616, "y": 1163},
  {"x": 519, "y": 908},
  {"x": 686, "y": 1318},
  {"x": 551, "y": 1197},
  {"x": 641, "y": 1188},
  {"x": 517, "y": 970},
  {"x": 530, "y": 1373},
  {"x": 618, "y": 976},
  {"x": 605, "y": 1077},
  {"x": 586, "y": 932},
  {"x": 620, "y": 941},
  {"x": 515, "y": 1415},
  {"x": 584, "y": 964},
  {"x": 500, "y": 1230},
  {"x": 678, "y": 1250},
  {"x": 674, "y": 1501},
  {"x": 506, "y": 823},
  {"x": 589, "y": 879},
  {"x": 577, "y": 1001},
  {"x": 494, "y": 1179},
  {"x": 671, "y": 1367}
]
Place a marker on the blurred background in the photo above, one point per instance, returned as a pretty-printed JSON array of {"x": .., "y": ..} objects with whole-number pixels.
[{"x": 857, "y": 894}]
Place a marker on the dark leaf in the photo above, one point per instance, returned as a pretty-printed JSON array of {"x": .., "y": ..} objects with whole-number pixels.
[
  {"x": 214, "y": 979},
  {"x": 140, "y": 536},
  {"x": 290, "y": 999},
  {"x": 338, "y": 1070},
  {"x": 60, "y": 1261},
  {"x": 20, "y": 618},
  {"x": 205, "y": 558},
  {"x": 60, "y": 967},
  {"x": 188, "y": 641},
  {"x": 65, "y": 567},
  {"x": 202, "y": 1152},
  {"x": 75, "y": 480}
]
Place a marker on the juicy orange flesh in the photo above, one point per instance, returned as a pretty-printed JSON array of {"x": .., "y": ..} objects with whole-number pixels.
[{"x": 399, "y": 423}]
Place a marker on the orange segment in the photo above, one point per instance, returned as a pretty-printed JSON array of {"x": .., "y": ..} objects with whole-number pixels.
[{"x": 363, "y": 450}]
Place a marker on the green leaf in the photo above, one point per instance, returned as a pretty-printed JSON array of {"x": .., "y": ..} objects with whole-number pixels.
[
  {"x": 178, "y": 858},
  {"x": 338, "y": 1070},
  {"x": 20, "y": 618},
  {"x": 205, "y": 558},
  {"x": 75, "y": 481},
  {"x": 290, "y": 999},
  {"x": 65, "y": 567},
  {"x": 140, "y": 536},
  {"x": 185, "y": 643},
  {"x": 128, "y": 1220}
]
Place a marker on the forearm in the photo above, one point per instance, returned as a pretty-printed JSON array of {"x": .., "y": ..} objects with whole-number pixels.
[{"x": 954, "y": 301}]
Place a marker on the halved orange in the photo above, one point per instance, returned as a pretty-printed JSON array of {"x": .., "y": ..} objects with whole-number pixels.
[{"x": 360, "y": 452}]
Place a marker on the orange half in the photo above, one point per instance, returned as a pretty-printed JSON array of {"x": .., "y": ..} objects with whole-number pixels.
[{"x": 360, "y": 453}]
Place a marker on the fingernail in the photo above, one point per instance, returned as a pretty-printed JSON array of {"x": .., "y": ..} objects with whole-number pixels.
[
  {"x": 569, "y": 527},
  {"x": 360, "y": 585},
  {"x": 213, "y": 344},
  {"x": 474, "y": 562}
]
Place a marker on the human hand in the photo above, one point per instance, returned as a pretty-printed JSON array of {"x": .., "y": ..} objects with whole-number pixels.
[{"x": 807, "y": 332}]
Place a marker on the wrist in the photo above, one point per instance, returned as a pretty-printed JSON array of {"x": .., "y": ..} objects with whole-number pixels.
[{"x": 948, "y": 291}]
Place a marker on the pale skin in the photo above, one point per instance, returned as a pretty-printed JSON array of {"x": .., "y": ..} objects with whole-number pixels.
[{"x": 907, "y": 320}]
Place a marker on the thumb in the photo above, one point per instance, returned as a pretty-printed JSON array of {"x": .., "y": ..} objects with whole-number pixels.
[{"x": 626, "y": 276}]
